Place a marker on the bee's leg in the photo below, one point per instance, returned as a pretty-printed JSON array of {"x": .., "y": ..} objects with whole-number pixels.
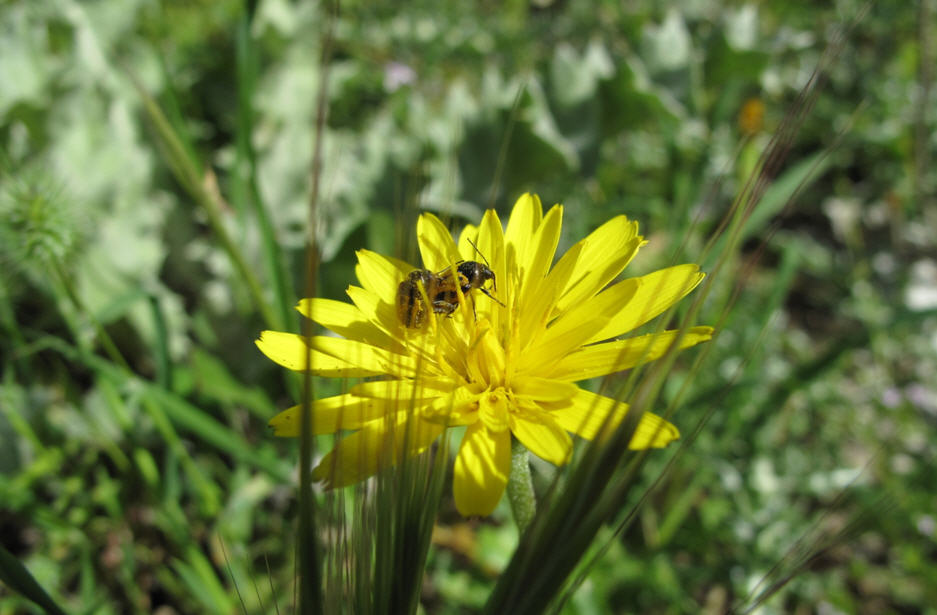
[
  {"x": 490, "y": 296},
  {"x": 444, "y": 307}
]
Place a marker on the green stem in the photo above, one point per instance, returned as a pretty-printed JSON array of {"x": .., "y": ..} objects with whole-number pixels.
[
  {"x": 104, "y": 337},
  {"x": 521, "y": 487},
  {"x": 188, "y": 174}
]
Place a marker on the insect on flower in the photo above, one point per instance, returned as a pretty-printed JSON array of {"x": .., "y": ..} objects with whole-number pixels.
[{"x": 442, "y": 290}]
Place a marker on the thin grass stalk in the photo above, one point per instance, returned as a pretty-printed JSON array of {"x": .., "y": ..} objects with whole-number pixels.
[
  {"x": 812, "y": 545},
  {"x": 187, "y": 173},
  {"x": 173, "y": 111},
  {"x": 564, "y": 529},
  {"x": 161, "y": 340},
  {"x": 390, "y": 516},
  {"x": 246, "y": 187},
  {"x": 392, "y": 529},
  {"x": 378, "y": 556},
  {"x": 737, "y": 229},
  {"x": 406, "y": 503},
  {"x": 623, "y": 484},
  {"x": 604, "y": 502},
  {"x": 923, "y": 170},
  {"x": 334, "y": 553},
  {"x": 209, "y": 493},
  {"x": 558, "y": 536},
  {"x": 537, "y": 590},
  {"x": 360, "y": 551},
  {"x": 65, "y": 284},
  {"x": 756, "y": 197},
  {"x": 771, "y": 153},
  {"x": 233, "y": 578},
  {"x": 12, "y": 329},
  {"x": 730, "y": 232},
  {"x": 563, "y": 532},
  {"x": 505, "y": 144},
  {"x": 687, "y": 440},
  {"x": 310, "y": 551},
  {"x": 736, "y": 226}
]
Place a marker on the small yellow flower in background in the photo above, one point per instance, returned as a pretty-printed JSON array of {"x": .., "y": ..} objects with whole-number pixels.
[
  {"x": 499, "y": 370},
  {"x": 752, "y": 116}
]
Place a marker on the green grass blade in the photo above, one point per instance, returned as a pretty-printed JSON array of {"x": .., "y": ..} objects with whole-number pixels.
[
  {"x": 407, "y": 503},
  {"x": 187, "y": 173},
  {"x": 179, "y": 411},
  {"x": 160, "y": 337},
  {"x": 17, "y": 578},
  {"x": 246, "y": 190},
  {"x": 198, "y": 574}
]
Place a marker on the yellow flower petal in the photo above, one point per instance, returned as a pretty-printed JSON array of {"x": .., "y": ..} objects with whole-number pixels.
[
  {"x": 379, "y": 444},
  {"x": 656, "y": 293},
  {"x": 525, "y": 218},
  {"x": 345, "y": 319},
  {"x": 534, "y": 320},
  {"x": 436, "y": 245},
  {"x": 456, "y": 408},
  {"x": 481, "y": 470},
  {"x": 533, "y": 298},
  {"x": 290, "y": 351},
  {"x": 328, "y": 312},
  {"x": 486, "y": 363},
  {"x": 605, "y": 252},
  {"x": 491, "y": 242},
  {"x": 542, "y": 389},
  {"x": 489, "y": 237},
  {"x": 653, "y": 432},
  {"x": 494, "y": 411},
  {"x": 588, "y": 415},
  {"x": 403, "y": 390},
  {"x": 333, "y": 414},
  {"x": 579, "y": 324},
  {"x": 381, "y": 311},
  {"x": 371, "y": 358},
  {"x": 518, "y": 238},
  {"x": 543, "y": 437},
  {"x": 381, "y": 274},
  {"x": 563, "y": 336},
  {"x": 466, "y": 251},
  {"x": 614, "y": 356},
  {"x": 541, "y": 252}
]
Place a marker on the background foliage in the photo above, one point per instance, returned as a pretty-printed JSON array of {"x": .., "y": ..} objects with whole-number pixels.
[{"x": 140, "y": 476}]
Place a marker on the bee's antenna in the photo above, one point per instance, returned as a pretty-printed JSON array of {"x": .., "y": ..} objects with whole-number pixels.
[{"x": 478, "y": 252}]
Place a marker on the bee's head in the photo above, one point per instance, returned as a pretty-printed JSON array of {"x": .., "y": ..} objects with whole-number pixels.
[{"x": 476, "y": 273}]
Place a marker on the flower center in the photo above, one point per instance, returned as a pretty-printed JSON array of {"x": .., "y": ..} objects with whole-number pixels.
[
  {"x": 485, "y": 361},
  {"x": 494, "y": 407}
]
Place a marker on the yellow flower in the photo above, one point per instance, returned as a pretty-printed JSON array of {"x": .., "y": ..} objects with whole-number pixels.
[{"x": 499, "y": 370}]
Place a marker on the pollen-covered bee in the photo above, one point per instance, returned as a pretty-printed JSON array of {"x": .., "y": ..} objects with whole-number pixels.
[{"x": 441, "y": 290}]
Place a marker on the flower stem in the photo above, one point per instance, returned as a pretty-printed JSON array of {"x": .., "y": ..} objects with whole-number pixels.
[{"x": 521, "y": 487}]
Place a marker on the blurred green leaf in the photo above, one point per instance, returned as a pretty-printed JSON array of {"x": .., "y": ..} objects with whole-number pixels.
[{"x": 16, "y": 577}]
